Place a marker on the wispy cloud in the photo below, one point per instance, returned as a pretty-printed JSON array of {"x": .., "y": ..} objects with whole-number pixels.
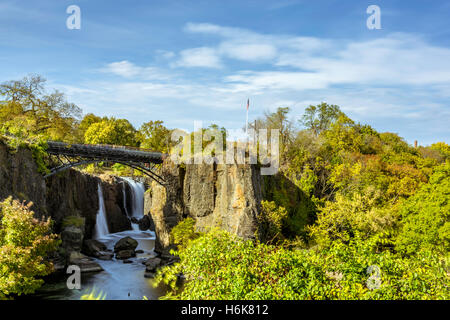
[
  {"x": 129, "y": 70},
  {"x": 399, "y": 80},
  {"x": 199, "y": 57}
]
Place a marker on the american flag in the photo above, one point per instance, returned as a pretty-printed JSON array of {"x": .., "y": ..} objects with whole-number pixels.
[{"x": 248, "y": 103}]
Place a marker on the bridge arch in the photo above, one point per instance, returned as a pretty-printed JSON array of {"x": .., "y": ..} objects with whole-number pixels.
[{"x": 72, "y": 155}]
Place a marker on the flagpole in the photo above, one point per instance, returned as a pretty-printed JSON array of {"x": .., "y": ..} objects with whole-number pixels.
[
  {"x": 246, "y": 124},
  {"x": 246, "y": 119}
]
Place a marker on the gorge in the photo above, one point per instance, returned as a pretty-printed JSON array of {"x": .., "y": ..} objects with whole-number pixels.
[{"x": 108, "y": 208}]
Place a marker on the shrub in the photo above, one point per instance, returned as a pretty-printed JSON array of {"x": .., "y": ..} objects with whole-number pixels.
[
  {"x": 425, "y": 215},
  {"x": 24, "y": 243},
  {"x": 183, "y": 232},
  {"x": 218, "y": 265},
  {"x": 270, "y": 221}
]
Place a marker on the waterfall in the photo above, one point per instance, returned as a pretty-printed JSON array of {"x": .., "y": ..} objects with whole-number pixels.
[
  {"x": 101, "y": 224},
  {"x": 137, "y": 198}
]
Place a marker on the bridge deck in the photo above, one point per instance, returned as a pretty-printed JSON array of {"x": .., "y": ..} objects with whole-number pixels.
[{"x": 104, "y": 152}]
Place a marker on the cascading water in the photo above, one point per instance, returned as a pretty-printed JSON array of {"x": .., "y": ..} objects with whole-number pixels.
[
  {"x": 137, "y": 200},
  {"x": 101, "y": 224},
  {"x": 118, "y": 280}
]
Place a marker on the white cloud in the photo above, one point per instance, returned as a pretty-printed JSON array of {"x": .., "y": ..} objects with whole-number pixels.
[
  {"x": 395, "y": 82},
  {"x": 248, "y": 51},
  {"x": 129, "y": 70},
  {"x": 199, "y": 57}
]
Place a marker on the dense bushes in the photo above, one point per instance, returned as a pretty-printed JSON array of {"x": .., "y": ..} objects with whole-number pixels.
[
  {"x": 425, "y": 216},
  {"x": 24, "y": 243},
  {"x": 218, "y": 265}
]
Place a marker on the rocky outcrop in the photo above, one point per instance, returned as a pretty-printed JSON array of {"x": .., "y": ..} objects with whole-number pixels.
[
  {"x": 72, "y": 192},
  {"x": 19, "y": 177},
  {"x": 225, "y": 195},
  {"x": 116, "y": 214},
  {"x": 167, "y": 208},
  {"x": 97, "y": 249},
  {"x": 72, "y": 242}
]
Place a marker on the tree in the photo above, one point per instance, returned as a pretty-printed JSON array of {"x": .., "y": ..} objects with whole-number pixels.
[
  {"x": 155, "y": 136},
  {"x": 319, "y": 118},
  {"x": 111, "y": 131},
  {"x": 87, "y": 121},
  {"x": 24, "y": 243},
  {"x": 29, "y": 110}
]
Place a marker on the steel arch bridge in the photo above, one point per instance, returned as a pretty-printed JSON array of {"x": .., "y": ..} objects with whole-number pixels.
[{"x": 72, "y": 155}]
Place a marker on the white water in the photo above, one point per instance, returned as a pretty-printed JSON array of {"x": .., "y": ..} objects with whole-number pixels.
[
  {"x": 101, "y": 225},
  {"x": 137, "y": 200}
]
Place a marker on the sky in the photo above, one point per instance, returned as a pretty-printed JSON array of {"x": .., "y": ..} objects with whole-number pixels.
[{"x": 186, "y": 61}]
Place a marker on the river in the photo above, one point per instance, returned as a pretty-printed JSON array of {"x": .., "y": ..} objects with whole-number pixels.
[{"x": 118, "y": 281}]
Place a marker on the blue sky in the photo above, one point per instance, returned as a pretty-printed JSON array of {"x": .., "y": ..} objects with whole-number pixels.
[{"x": 180, "y": 61}]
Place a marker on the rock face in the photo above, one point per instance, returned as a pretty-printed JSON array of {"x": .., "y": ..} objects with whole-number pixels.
[
  {"x": 73, "y": 193},
  {"x": 225, "y": 195},
  {"x": 146, "y": 223},
  {"x": 167, "y": 208},
  {"x": 72, "y": 243},
  {"x": 19, "y": 178},
  {"x": 113, "y": 197},
  {"x": 72, "y": 239}
]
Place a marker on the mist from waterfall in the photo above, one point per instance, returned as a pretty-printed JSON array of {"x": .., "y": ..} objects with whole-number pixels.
[
  {"x": 101, "y": 224},
  {"x": 137, "y": 200}
]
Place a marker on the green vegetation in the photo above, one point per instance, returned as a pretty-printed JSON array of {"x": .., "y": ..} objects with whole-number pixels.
[
  {"x": 352, "y": 214},
  {"x": 24, "y": 243},
  {"x": 218, "y": 265},
  {"x": 73, "y": 221}
]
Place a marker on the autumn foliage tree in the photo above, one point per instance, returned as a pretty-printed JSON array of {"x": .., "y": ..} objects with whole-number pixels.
[{"x": 24, "y": 243}]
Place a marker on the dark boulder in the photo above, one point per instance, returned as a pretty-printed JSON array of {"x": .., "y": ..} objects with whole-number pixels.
[
  {"x": 126, "y": 243},
  {"x": 105, "y": 255},
  {"x": 92, "y": 247},
  {"x": 152, "y": 264},
  {"x": 85, "y": 263},
  {"x": 149, "y": 275},
  {"x": 134, "y": 220},
  {"x": 146, "y": 223},
  {"x": 125, "y": 254}
]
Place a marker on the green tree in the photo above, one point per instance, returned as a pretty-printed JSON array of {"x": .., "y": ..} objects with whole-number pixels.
[
  {"x": 319, "y": 118},
  {"x": 155, "y": 136},
  {"x": 87, "y": 121},
  {"x": 111, "y": 131},
  {"x": 29, "y": 110}
]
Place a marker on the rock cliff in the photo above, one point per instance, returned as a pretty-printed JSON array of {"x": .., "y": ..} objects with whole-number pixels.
[
  {"x": 224, "y": 195},
  {"x": 69, "y": 193},
  {"x": 20, "y": 178}
]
